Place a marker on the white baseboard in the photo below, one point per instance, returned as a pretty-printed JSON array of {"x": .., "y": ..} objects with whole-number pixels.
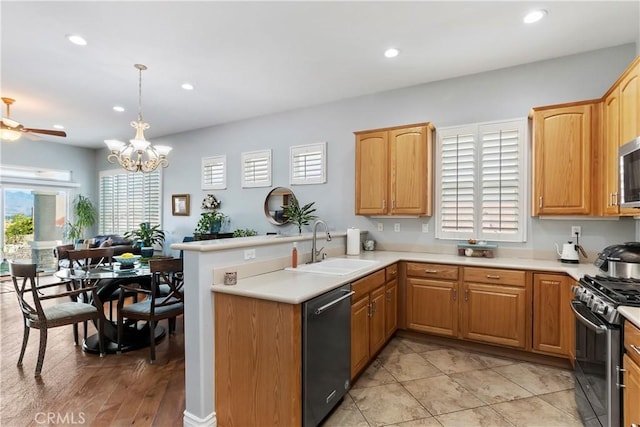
[{"x": 190, "y": 420}]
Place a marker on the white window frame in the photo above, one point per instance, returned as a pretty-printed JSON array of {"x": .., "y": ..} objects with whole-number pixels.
[
  {"x": 133, "y": 220},
  {"x": 478, "y": 130},
  {"x": 316, "y": 175},
  {"x": 219, "y": 181},
  {"x": 252, "y": 177}
]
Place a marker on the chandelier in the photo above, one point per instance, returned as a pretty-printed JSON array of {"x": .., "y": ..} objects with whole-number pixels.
[{"x": 138, "y": 155}]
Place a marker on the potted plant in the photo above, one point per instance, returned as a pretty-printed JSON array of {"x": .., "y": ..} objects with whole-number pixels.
[
  {"x": 85, "y": 215},
  {"x": 211, "y": 220},
  {"x": 299, "y": 215},
  {"x": 147, "y": 236}
]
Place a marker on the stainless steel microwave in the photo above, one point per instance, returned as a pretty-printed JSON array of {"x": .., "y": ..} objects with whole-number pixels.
[{"x": 629, "y": 157}]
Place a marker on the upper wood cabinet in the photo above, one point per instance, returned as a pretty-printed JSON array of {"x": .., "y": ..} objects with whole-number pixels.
[
  {"x": 562, "y": 157},
  {"x": 394, "y": 171},
  {"x": 621, "y": 124}
]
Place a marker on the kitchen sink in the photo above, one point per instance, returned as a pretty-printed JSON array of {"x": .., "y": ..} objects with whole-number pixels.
[{"x": 335, "y": 266}]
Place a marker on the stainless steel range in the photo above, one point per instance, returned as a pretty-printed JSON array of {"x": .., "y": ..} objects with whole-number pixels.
[{"x": 599, "y": 346}]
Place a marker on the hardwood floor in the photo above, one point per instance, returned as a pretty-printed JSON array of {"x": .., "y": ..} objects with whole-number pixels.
[{"x": 78, "y": 388}]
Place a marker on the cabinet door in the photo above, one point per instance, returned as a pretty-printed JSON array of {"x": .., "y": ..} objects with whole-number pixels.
[
  {"x": 432, "y": 306},
  {"x": 377, "y": 326},
  {"x": 494, "y": 314},
  {"x": 630, "y": 105},
  {"x": 631, "y": 392},
  {"x": 372, "y": 173},
  {"x": 359, "y": 335},
  {"x": 611, "y": 143},
  {"x": 391, "y": 308},
  {"x": 410, "y": 162},
  {"x": 552, "y": 318},
  {"x": 562, "y": 160}
]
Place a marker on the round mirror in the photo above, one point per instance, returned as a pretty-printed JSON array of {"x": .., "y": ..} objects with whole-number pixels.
[{"x": 274, "y": 202}]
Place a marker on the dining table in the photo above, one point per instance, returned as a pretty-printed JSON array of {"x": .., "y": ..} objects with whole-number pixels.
[{"x": 108, "y": 278}]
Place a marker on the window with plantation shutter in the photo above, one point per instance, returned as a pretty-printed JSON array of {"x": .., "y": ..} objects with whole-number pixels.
[
  {"x": 308, "y": 164},
  {"x": 481, "y": 170},
  {"x": 214, "y": 173},
  {"x": 256, "y": 169},
  {"x": 127, "y": 199}
]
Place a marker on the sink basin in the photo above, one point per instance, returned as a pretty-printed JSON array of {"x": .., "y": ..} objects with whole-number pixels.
[{"x": 335, "y": 266}]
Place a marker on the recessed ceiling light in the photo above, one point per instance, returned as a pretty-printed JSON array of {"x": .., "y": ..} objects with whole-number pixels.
[
  {"x": 534, "y": 16},
  {"x": 391, "y": 52},
  {"x": 76, "y": 39},
  {"x": 118, "y": 108},
  {"x": 58, "y": 127},
  {"x": 187, "y": 86}
]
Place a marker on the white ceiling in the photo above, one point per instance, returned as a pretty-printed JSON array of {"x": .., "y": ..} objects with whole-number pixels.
[{"x": 248, "y": 59}]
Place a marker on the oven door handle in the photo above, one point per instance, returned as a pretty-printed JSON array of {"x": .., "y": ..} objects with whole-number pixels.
[{"x": 598, "y": 329}]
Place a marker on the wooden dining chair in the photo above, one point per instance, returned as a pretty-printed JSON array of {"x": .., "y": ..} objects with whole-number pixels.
[
  {"x": 85, "y": 259},
  {"x": 166, "y": 273},
  {"x": 50, "y": 316}
]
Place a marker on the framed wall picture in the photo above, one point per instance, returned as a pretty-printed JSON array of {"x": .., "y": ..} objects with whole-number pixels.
[{"x": 180, "y": 204}]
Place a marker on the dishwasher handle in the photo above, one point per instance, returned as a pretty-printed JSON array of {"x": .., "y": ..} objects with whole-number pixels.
[{"x": 328, "y": 305}]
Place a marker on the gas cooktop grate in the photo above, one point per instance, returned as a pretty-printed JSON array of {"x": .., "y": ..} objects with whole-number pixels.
[{"x": 618, "y": 290}]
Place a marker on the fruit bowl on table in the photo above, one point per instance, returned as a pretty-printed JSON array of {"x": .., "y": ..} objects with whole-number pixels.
[{"x": 126, "y": 262}]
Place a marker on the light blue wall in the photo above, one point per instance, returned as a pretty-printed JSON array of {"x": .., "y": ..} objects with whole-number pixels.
[{"x": 496, "y": 95}]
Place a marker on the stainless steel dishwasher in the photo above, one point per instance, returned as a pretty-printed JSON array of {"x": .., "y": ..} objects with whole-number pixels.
[{"x": 326, "y": 353}]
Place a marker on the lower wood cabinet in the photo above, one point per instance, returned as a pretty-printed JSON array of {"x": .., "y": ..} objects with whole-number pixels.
[
  {"x": 480, "y": 304},
  {"x": 432, "y": 304},
  {"x": 374, "y": 315},
  {"x": 631, "y": 365},
  {"x": 553, "y": 320}
]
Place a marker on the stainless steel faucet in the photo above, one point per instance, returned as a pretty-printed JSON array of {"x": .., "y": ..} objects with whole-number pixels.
[{"x": 316, "y": 253}]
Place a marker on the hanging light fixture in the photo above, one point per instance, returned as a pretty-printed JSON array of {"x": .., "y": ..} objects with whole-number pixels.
[{"x": 138, "y": 155}]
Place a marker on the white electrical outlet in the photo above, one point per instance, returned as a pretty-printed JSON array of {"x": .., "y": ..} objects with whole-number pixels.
[
  {"x": 249, "y": 254},
  {"x": 380, "y": 226},
  {"x": 425, "y": 228},
  {"x": 396, "y": 227},
  {"x": 576, "y": 230}
]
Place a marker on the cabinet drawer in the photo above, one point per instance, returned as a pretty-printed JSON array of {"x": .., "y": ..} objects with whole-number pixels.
[
  {"x": 632, "y": 341},
  {"x": 433, "y": 271},
  {"x": 391, "y": 272},
  {"x": 365, "y": 285},
  {"x": 494, "y": 276}
]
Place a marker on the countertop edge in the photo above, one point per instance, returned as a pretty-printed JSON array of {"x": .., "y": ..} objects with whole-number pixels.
[{"x": 632, "y": 314}]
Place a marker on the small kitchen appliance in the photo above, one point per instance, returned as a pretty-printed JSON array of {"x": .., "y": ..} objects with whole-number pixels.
[
  {"x": 621, "y": 261},
  {"x": 571, "y": 252}
]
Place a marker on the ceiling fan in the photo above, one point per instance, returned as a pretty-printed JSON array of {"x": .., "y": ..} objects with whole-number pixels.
[{"x": 10, "y": 130}]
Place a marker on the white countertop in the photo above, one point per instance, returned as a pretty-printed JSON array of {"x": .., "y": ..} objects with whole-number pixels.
[
  {"x": 294, "y": 287},
  {"x": 632, "y": 314}
]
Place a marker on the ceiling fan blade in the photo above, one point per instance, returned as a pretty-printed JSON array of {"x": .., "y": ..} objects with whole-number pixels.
[
  {"x": 46, "y": 132},
  {"x": 9, "y": 123}
]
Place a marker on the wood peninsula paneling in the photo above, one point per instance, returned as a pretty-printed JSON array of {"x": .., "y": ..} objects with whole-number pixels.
[{"x": 258, "y": 363}]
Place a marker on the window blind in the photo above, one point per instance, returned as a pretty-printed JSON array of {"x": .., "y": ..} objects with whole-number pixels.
[
  {"x": 308, "y": 164},
  {"x": 481, "y": 170},
  {"x": 256, "y": 169},
  {"x": 214, "y": 173},
  {"x": 127, "y": 199}
]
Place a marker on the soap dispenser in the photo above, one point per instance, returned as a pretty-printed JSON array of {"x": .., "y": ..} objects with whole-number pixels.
[{"x": 294, "y": 255}]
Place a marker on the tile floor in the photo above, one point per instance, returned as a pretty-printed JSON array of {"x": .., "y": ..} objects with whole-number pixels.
[{"x": 415, "y": 384}]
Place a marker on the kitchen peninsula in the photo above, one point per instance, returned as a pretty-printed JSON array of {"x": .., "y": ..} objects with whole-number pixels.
[{"x": 264, "y": 278}]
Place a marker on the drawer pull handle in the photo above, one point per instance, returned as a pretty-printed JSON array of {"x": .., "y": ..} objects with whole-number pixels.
[
  {"x": 466, "y": 294},
  {"x": 619, "y": 371},
  {"x": 431, "y": 271},
  {"x": 455, "y": 294},
  {"x": 393, "y": 273},
  {"x": 636, "y": 348},
  {"x": 492, "y": 276}
]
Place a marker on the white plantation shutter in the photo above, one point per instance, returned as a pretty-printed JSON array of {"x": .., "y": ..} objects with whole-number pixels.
[
  {"x": 214, "y": 173},
  {"x": 458, "y": 162},
  {"x": 308, "y": 164},
  {"x": 481, "y": 172},
  {"x": 501, "y": 181},
  {"x": 127, "y": 199},
  {"x": 256, "y": 169}
]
